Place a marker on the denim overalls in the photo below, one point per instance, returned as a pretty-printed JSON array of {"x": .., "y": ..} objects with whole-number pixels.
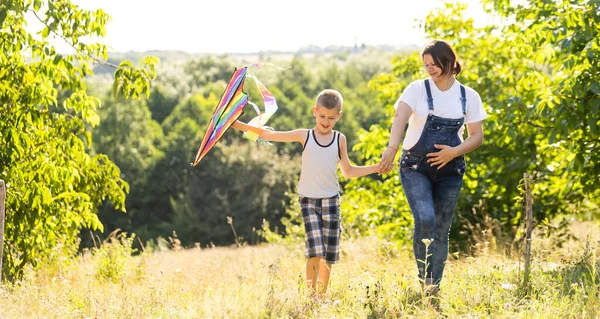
[{"x": 432, "y": 194}]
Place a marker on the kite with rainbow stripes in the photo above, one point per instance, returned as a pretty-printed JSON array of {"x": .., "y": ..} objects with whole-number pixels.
[{"x": 230, "y": 107}]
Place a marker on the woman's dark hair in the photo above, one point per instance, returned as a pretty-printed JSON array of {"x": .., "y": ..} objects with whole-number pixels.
[{"x": 443, "y": 56}]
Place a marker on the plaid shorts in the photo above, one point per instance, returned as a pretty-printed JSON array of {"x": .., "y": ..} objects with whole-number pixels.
[{"x": 322, "y": 225}]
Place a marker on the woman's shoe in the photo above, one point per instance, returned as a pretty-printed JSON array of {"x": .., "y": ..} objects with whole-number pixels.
[{"x": 429, "y": 288}]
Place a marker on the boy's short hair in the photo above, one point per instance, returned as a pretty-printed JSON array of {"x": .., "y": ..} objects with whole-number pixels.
[{"x": 330, "y": 99}]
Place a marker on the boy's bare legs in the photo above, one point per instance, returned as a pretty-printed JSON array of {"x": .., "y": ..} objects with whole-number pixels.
[
  {"x": 312, "y": 272},
  {"x": 317, "y": 275},
  {"x": 324, "y": 272}
]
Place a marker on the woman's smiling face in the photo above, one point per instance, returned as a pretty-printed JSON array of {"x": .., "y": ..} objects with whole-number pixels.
[{"x": 434, "y": 70}]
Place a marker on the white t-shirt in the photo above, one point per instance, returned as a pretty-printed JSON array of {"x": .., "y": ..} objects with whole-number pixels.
[{"x": 446, "y": 104}]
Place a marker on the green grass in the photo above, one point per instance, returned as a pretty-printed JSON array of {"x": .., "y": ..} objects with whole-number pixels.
[{"x": 374, "y": 280}]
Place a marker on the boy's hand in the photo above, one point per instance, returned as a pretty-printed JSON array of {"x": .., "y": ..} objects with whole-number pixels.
[{"x": 377, "y": 168}]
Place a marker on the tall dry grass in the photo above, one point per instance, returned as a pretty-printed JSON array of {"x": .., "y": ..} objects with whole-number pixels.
[{"x": 375, "y": 279}]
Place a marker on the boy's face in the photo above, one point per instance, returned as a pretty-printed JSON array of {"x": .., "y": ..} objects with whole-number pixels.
[{"x": 325, "y": 118}]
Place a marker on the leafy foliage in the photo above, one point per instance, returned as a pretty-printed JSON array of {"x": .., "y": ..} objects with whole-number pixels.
[
  {"x": 54, "y": 185},
  {"x": 538, "y": 78},
  {"x": 252, "y": 186},
  {"x": 246, "y": 181},
  {"x": 537, "y": 72},
  {"x": 113, "y": 257}
]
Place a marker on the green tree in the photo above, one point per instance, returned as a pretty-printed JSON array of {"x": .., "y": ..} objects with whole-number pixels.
[
  {"x": 161, "y": 103},
  {"x": 538, "y": 77},
  {"x": 562, "y": 40},
  {"x": 209, "y": 70},
  {"x": 198, "y": 107},
  {"x": 54, "y": 185},
  {"x": 131, "y": 139},
  {"x": 245, "y": 181}
]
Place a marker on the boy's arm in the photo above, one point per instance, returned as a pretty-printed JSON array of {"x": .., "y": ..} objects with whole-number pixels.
[
  {"x": 349, "y": 170},
  {"x": 287, "y": 136}
]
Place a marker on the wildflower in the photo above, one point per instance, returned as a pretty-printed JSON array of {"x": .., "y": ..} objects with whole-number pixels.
[
  {"x": 509, "y": 286},
  {"x": 574, "y": 286},
  {"x": 273, "y": 268},
  {"x": 427, "y": 242}
]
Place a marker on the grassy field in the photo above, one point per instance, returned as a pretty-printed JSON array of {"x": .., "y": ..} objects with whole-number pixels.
[{"x": 374, "y": 280}]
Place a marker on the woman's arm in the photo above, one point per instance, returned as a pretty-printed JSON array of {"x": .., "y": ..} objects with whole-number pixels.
[
  {"x": 349, "y": 170},
  {"x": 275, "y": 136},
  {"x": 401, "y": 116}
]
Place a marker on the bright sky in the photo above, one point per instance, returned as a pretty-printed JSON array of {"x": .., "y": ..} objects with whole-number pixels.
[{"x": 235, "y": 26}]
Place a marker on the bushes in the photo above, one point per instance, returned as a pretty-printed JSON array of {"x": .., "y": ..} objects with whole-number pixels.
[{"x": 113, "y": 257}]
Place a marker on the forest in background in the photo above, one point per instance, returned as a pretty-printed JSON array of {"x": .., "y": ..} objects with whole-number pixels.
[
  {"x": 77, "y": 151},
  {"x": 153, "y": 141}
]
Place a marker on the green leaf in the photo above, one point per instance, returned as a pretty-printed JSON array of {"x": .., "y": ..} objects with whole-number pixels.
[
  {"x": 593, "y": 123},
  {"x": 45, "y": 32},
  {"x": 595, "y": 87},
  {"x": 3, "y": 14},
  {"x": 595, "y": 103},
  {"x": 126, "y": 64},
  {"x": 37, "y": 4}
]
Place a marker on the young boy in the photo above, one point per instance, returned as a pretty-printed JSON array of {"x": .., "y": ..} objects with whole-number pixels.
[{"x": 318, "y": 187}]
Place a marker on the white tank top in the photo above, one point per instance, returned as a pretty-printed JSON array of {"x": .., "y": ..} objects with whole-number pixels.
[{"x": 318, "y": 177}]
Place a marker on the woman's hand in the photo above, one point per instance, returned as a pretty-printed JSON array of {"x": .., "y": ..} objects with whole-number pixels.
[
  {"x": 401, "y": 116},
  {"x": 387, "y": 160},
  {"x": 443, "y": 157}
]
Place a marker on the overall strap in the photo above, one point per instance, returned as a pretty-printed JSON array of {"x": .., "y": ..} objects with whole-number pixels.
[
  {"x": 463, "y": 99},
  {"x": 429, "y": 97}
]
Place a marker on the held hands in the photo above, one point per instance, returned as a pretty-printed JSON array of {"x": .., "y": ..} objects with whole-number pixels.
[
  {"x": 387, "y": 160},
  {"x": 441, "y": 158}
]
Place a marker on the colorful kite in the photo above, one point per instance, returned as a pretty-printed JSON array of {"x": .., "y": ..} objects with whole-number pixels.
[
  {"x": 270, "y": 109},
  {"x": 229, "y": 109}
]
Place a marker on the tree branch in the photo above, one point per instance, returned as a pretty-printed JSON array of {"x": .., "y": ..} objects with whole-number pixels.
[{"x": 97, "y": 60}]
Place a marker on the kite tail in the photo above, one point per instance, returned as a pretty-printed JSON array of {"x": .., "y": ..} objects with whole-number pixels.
[{"x": 270, "y": 108}]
